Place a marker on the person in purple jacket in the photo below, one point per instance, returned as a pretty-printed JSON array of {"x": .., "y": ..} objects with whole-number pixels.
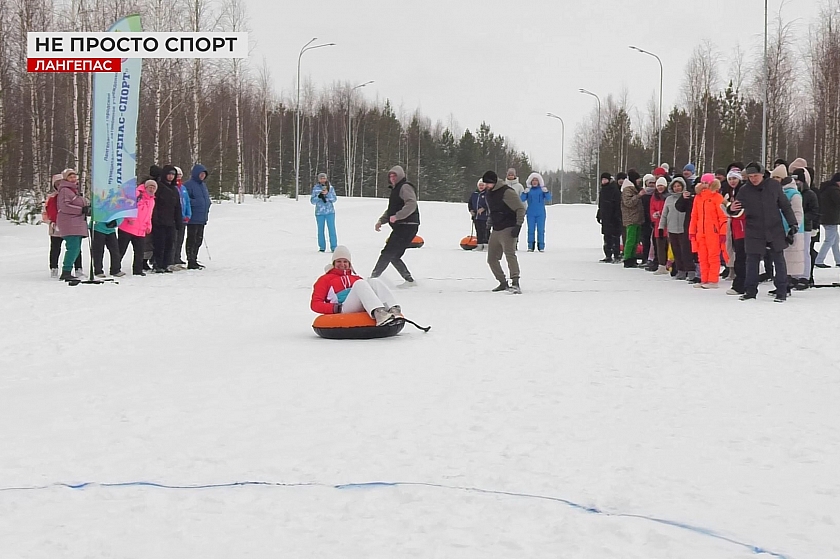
[{"x": 73, "y": 209}]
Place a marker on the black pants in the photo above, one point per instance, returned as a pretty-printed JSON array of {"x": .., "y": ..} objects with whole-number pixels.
[
  {"x": 195, "y": 236},
  {"x": 55, "y": 253},
  {"x": 98, "y": 244},
  {"x": 780, "y": 279},
  {"x": 768, "y": 263},
  {"x": 395, "y": 247},
  {"x": 482, "y": 234},
  {"x": 740, "y": 265},
  {"x": 164, "y": 240},
  {"x": 177, "y": 248},
  {"x": 612, "y": 246},
  {"x": 662, "y": 250},
  {"x": 138, "y": 244},
  {"x": 647, "y": 231},
  {"x": 681, "y": 246},
  {"x": 814, "y": 240}
]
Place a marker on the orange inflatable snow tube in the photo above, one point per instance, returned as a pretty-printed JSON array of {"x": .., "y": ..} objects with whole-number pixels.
[
  {"x": 469, "y": 243},
  {"x": 354, "y": 326}
]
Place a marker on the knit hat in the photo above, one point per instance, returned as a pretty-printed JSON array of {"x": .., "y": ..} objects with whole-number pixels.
[
  {"x": 690, "y": 168},
  {"x": 57, "y": 179},
  {"x": 754, "y": 168},
  {"x": 606, "y": 176},
  {"x": 150, "y": 182},
  {"x": 619, "y": 178},
  {"x": 734, "y": 173},
  {"x": 322, "y": 176},
  {"x": 707, "y": 178},
  {"x": 721, "y": 172},
  {"x": 780, "y": 161},
  {"x": 779, "y": 173},
  {"x": 660, "y": 172},
  {"x": 648, "y": 178},
  {"x": 340, "y": 251},
  {"x": 628, "y": 182},
  {"x": 662, "y": 180},
  {"x": 835, "y": 178},
  {"x": 802, "y": 175},
  {"x": 666, "y": 167},
  {"x": 734, "y": 165},
  {"x": 178, "y": 172},
  {"x": 67, "y": 172},
  {"x": 798, "y": 163},
  {"x": 479, "y": 183},
  {"x": 490, "y": 177},
  {"x": 633, "y": 175},
  {"x": 512, "y": 171}
]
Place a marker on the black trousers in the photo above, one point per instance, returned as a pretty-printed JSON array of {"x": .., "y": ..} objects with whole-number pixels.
[
  {"x": 195, "y": 236},
  {"x": 395, "y": 247},
  {"x": 612, "y": 246},
  {"x": 98, "y": 244},
  {"x": 780, "y": 279},
  {"x": 740, "y": 265},
  {"x": 177, "y": 248},
  {"x": 138, "y": 244},
  {"x": 164, "y": 240},
  {"x": 681, "y": 245},
  {"x": 768, "y": 262},
  {"x": 55, "y": 253},
  {"x": 814, "y": 240},
  {"x": 482, "y": 234}
]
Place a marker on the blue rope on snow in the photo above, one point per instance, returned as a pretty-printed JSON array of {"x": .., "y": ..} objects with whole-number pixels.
[{"x": 385, "y": 484}]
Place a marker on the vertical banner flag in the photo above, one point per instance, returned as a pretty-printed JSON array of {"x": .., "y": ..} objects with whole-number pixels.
[{"x": 116, "y": 101}]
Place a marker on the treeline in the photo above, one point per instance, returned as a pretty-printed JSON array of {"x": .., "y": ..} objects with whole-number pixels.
[
  {"x": 719, "y": 117},
  {"x": 222, "y": 113}
]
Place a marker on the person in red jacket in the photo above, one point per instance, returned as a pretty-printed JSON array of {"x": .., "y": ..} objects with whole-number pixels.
[
  {"x": 708, "y": 230},
  {"x": 340, "y": 290},
  {"x": 660, "y": 236}
]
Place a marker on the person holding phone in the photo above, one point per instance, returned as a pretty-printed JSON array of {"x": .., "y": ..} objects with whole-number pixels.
[{"x": 323, "y": 197}]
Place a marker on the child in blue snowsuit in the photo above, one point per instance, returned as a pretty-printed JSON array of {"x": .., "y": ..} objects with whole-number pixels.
[
  {"x": 536, "y": 195},
  {"x": 323, "y": 197}
]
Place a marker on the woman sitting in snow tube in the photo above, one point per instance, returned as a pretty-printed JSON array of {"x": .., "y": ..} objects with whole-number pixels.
[{"x": 351, "y": 307}]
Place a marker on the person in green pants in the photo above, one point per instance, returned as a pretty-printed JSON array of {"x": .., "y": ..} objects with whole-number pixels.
[
  {"x": 632, "y": 216},
  {"x": 73, "y": 209}
]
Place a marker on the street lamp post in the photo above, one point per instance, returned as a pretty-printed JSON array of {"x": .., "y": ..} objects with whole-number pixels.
[
  {"x": 598, "y": 172},
  {"x": 305, "y": 48},
  {"x": 766, "y": 86},
  {"x": 562, "y": 150},
  {"x": 661, "y": 82},
  {"x": 350, "y": 151}
]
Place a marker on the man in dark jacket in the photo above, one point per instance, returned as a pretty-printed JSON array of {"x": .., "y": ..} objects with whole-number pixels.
[
  {"x": 830, "y": 220},
  {"x": 165, "y": 217},
  {"x": 760, "y": 202},
  {"x": 200, "y": 205},
  {"x": 507, "y": 213},
  {"x": 403, "y": 216},
  {"x": 609, "y": 216}
]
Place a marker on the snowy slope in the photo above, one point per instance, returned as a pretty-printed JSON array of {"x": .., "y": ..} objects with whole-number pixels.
[{"x": 607, "y": 388}]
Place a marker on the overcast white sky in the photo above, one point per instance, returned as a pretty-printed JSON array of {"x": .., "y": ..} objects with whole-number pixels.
[{"x": 507, "y": 63}]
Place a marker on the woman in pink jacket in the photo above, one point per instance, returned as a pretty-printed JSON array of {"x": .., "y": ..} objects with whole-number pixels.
[
  {"x": 73, "y": 209},
  {"x": 133, "y": 230}
]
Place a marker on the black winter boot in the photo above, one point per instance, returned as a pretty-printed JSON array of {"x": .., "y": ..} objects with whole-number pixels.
[{"x": 503, "y": 286}]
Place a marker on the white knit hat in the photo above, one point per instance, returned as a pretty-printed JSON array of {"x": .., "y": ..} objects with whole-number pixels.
[
  {"x": 340, "y": 251},
  {"x": 662, "y": 180}
]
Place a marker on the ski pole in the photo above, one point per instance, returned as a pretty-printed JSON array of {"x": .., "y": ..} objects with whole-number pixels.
[{"x": 207, "y": 248}]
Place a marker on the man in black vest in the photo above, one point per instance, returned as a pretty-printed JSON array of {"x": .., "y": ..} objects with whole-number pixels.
[
  {"x": 404, "y": 218},
  {"x": 507, "y": 213}
]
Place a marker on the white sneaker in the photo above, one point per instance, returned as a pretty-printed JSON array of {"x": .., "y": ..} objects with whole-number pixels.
[
  {"x": 697, "y": 285},
  {"x": 119, "y": 274},
  {"x": 661, "y": 271},
  {"x": 709, "y": 285},
  {"x": 382, "y": 316},
  {"x": 79, "y": 273},
  {"x": 100, "y": 276},
  {"x": 407, "y": 284},
  {"x": 54, "y": 273},
  {"x": 732, "y": 292}
]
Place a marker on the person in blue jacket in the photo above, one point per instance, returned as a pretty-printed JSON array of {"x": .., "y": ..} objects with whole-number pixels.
[
  {"x": 186, "y": 212},
  {"x": 200, "y": 204},
  {"x": 536, "y": 195},
  {"x": 323, "y": 197}
]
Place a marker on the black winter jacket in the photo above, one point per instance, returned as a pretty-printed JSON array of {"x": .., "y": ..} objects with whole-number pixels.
[
  {"x": 761, "y": 206},
  {"x": 830, "y": 203},
  {"x": 609, "y": 209}
]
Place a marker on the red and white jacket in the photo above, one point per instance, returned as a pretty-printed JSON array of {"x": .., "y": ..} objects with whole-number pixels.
[{"x": 325, "y": 293}]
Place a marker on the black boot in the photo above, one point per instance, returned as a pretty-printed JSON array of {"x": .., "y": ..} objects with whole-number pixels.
[
  {"x": 503, "y": 286},
  {"x": 66, "y": 276},
  {"x": 514, "y": 286},
  {"x": 631, "y": 263}
]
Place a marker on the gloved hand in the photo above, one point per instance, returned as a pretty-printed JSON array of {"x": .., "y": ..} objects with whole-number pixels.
[
  {"x": 790, "y": 239},
  {"x": 514, "y": 231},
  {"x": 337, "y": 308},
  {"x": 544, "y": 189},
  {"x": 692, "y": 237},
  {"x": 186, "y": 220},
  {"x": 794, "y": 229}
]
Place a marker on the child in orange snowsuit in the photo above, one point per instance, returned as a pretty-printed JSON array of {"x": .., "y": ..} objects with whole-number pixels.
[{"x": 708, "y": 230}]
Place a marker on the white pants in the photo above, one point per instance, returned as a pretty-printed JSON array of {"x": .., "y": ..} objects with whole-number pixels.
[{"x": 367, "y": 295}]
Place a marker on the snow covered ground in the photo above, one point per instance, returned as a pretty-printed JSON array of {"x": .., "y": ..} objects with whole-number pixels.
[{"x": 606, "y": 388}]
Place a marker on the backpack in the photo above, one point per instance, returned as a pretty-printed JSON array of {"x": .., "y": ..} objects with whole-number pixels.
[{"x": 52, "y": 209}]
